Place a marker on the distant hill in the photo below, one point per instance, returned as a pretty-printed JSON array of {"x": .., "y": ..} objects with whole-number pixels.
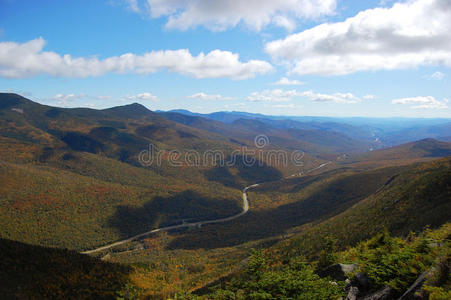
[
  {"x": 423, "y": 149},
  {"x": 438, "y": 131},
  {"x": 117, "y": 132},
  {"x": 244, "y": 130},
  {"x": 378, "y": 132}
]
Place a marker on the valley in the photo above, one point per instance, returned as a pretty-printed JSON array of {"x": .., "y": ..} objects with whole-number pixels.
[
  {"x": 208, "y": 192},
  {"x": 225, "y": 150}
]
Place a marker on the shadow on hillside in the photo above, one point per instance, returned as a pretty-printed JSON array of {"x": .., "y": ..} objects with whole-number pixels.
[
  {"x": 254, "y": 226},
  {"x": 333, "y": 198},
  {"x": 34, "y": 272},
  {"x": 164, "y": 211},
  {"x": 247, "y": 170}
]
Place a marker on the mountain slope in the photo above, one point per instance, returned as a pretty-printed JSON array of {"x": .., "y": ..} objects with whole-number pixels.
[
  {"x": 422, "y": 150},
  {"x": 47, "y": 206},
  {"x": 121, "y": 133},
  {"x": 33, "y": 272},
  {"x": 418, "y": 196}
]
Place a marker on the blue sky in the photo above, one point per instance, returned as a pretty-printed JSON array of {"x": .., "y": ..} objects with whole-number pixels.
[{"x": 287, "y": 57}]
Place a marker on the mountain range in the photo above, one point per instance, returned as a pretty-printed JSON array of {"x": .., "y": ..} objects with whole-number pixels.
[{"x": 79, "y": 179}]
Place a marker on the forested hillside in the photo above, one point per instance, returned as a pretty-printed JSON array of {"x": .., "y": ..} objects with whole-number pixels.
[{"x": 76, "y": 179}]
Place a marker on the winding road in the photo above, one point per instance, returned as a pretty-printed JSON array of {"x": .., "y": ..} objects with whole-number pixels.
[{"x": 195, "y": 224}]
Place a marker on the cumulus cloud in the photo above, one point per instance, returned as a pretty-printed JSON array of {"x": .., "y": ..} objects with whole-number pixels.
[
  {"x": 343, "y": 98},
  {"x": 437, "y": 76},
  {"x": 65, "y": 100},
  {"x": 141, "y": 96},
  {"x": 220, "y": 15},
  {"x": 407, "y": 35},
  {"x": 278, "y": 95},
  {"x": 133, "y": 5},
  {"x": 204, "y": 96},
  {"x": 420, "y": 102},
  {"x": 286, "y": 81},
  {"x": 61, "y": 98},
  {"x": 29, "y": 59}
]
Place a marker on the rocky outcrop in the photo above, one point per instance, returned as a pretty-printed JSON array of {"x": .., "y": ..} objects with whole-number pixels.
[
  {"x": 361, "y": 281},
  {"x": 353, "y": 293},
  {"x": 386, "y": 293},
  {"x": 337, "y": 271}
]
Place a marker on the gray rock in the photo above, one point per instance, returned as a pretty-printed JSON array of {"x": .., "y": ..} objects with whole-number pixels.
[
  {"x": 337, "y": 271},
  {"x": 410, "y": 293},
  {"x": 385, "y": 293},
  {"x": 361, "y": 281},
  {"x": 353, "y": 293}
]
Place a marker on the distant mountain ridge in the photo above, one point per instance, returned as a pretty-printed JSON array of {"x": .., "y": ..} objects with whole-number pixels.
[{"x": 380, "y": 132}]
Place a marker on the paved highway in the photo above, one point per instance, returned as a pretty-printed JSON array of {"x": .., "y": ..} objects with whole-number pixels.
[{"x": 194, "y": 224}]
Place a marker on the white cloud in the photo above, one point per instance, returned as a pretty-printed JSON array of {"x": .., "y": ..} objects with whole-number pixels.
[
  {"x": 284, "y": 22},
  {"x": 62, "y": 97},
  {"x": 220, "y": 15},
  {"x": 343, "y": 98},
  {"x": 385, "y": 2},
  {"x": 141, "y": 96},
  {"x": 286, "y": 81},
  {"x": 369, "y": 97},
  {"x": 283, "y": 106},
  {"x": 437, "y": 76},
  {"x": 68, "y": 99},
  {"x": 421, "y": 102},
  {"x": 407, "y": 35},
  {"x": 278, "y": 95},
  {"x": 204, "y": 96},
  {"x": 29, "y": 59},
  {"x": 133, "y": 5}
]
